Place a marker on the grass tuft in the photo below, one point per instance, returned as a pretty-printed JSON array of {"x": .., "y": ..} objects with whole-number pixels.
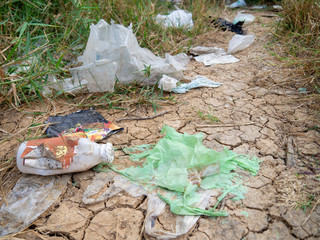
[
  {"x": 41, "y": 38},
  {"x": 299, "y": 33}
]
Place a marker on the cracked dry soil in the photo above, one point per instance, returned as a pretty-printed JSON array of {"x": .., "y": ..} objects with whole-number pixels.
[{"x": 257, "y": 117}]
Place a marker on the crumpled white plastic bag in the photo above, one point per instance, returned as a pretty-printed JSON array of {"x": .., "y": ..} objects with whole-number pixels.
[
  {"x": 176, "y": 19},
  {"x": 117, "y": 44}
]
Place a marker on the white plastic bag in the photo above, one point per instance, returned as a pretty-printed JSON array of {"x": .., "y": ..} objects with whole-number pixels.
[
  {"x": 239, "y": 3},
  {"x": 115, "y": 43},
  {"x": 177, "y": 18},
  {"x": 240, "y": 42},
  {"x": 247, "y": 18}
]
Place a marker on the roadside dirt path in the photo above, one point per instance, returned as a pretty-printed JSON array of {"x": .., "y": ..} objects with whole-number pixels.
[{"x": 257, "y": 117}]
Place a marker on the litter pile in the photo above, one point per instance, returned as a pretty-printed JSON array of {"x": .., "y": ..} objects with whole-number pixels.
[{"x": 179, "y": 170}]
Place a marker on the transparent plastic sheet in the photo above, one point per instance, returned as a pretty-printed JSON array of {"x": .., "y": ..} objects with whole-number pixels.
[
  {"x": 212, "y": 56},
  {"x": 97, "y": 192},
  {"x": 239, "y": 42},
  {"x": 117, "y": 44},
  {"x": 30, "y": 197}
]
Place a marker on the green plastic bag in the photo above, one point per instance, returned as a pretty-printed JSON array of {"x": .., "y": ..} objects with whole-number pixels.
[{"x": 180, "y": 168}]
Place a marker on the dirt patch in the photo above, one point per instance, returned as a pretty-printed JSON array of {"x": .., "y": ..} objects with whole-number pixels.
[{"x": 257, "y": 116}]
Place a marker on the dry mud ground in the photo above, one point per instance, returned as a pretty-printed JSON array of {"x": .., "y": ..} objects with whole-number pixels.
[{"x": 257, "y": 117}]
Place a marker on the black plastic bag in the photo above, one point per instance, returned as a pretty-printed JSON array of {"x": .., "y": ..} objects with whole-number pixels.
[
  {"x": 80, "y": 121},
  {"x": 225, "y": 25}
]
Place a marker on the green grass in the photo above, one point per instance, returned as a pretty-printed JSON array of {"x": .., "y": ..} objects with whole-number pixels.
[
  {"x": 42, "y": 37},
  {"x": 208, "y": 117},
  {"x": 299, "y": 33}
]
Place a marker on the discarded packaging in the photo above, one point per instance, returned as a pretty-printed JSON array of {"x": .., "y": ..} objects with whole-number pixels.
[
  {"x": 30, "y": 197},
  {"x": 225, "y": 25},
  {"x": 196, "y": 82},
  {"x": 60, "y": 155},
  {"x": 167, "y": 83},
  {"x": 243, "y": 17},
  {"x": 171, "y": 84},
  {"x": 258, "y": 7},
  {"x": 277, "y": 8},
  {"x": 217, "y": 56},
  {"x": 239, "y": 3},
  {"x": 65, "y": 85},
  {"x": 118, "y": 53},
  {"x": 181, "y": 172},
  {"x": 90, "y": 122},
  {"x": 176, "y": 19},
  {"x": 200, "y": 50},
  {"x": 239, "y": 42},
  {"x": 99, "y": 75}
]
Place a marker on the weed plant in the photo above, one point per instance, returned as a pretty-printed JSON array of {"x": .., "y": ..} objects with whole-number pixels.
[
  {"x": 299, "y": 31},
  {"x": 43, "y": 37}
]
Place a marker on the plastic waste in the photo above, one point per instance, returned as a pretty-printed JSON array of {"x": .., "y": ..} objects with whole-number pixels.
[
  {"x": 181, "y": 172},
  {"x": 277, "y": 8},
  {"x": 97, "y": 191},
  {"x": 217, "y": 56},
  {"x": 66, "y": 85},
  {"x": 176, "y": 19},
  {"x": 258, "y": 7},
  {"x": 196, "y": 82},
  {"x": 239, "y": 3},
  {"x": 167, "y": 83},
  {"x": 99, "y": 75},
  {"x": 200, "y": 50},
  {"x": 90, "y": 122},
  {"x": 239, "y": 42},
  {"x": 243, "y": 17},
  {"x": 171, "y": 85},
  {"x": 60, "y": 155},
  {"x": 225, "y": 25},
  {"x": 114, "y": 43},
  {"x": 30, "y": 197}
]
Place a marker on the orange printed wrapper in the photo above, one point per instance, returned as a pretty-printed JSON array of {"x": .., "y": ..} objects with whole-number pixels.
[
  {"x": 94, "y": 131},
  {"x": 63, "y": 148}
]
